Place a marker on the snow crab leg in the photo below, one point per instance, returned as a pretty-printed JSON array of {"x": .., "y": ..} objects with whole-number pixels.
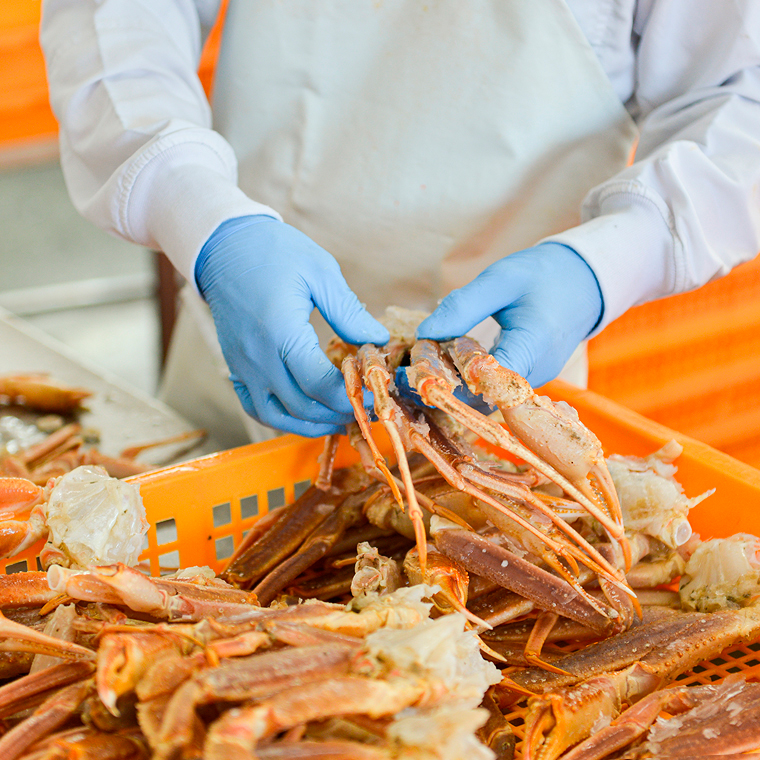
[
  {"x": 378, "y": 378},
  {"x": 569, "y": 452}
]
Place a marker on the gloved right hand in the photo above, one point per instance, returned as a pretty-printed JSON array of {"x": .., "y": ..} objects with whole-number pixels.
[{"x": 262, "y": 278}]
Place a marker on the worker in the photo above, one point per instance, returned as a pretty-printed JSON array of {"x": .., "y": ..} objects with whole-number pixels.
[{"x": 366, "y": 153}]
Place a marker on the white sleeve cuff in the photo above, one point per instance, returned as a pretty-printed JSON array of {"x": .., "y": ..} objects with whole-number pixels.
[
  {"x": 629, "y": 241},
  {"x": 180, "y": 194}
]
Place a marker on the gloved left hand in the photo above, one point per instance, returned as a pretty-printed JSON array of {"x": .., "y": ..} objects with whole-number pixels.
[{"x": 546, "y": 300}]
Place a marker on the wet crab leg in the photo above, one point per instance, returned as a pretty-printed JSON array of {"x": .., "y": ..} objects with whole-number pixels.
[
  {"x": 239, "y": 730},
  {"x": 378, "y": 378},
  {"x": 31, "y": 689},
  {"x": 479, "y": 477},
  {"x": 158, "y": 597},
  {"x": 316, "y": 546},
  {"x": 496, "y": 510},
  {"x": 295, "y": 522},
  {"x": 327, "y": 462},
  {"x": 558, "y": 719},
  {"x": 636, "y": 720},
  {"x": 548, "y": 592},
  {"x": 436, "y": 389},
  {"x": 15, "y": 637},
  {"x": 509, "y": 392},
  {"x": 49, "y": 716},
  {"x": 351, "y": 369}
]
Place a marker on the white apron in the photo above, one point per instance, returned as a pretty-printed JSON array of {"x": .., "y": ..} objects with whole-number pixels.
[{"x": 416, "y": 142}]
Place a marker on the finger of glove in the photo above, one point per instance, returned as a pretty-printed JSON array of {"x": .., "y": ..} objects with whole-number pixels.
[
  {"x": 530, "y": 354},
  {"x": 462, "y": 309},
  {"x": 269, "y": 411},
  {"x": 344, "y": 312}
]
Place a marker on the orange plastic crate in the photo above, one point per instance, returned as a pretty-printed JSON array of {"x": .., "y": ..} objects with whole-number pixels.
[
  {"x": 199, "y": 510},
  {"x": 25, "y": 114}
]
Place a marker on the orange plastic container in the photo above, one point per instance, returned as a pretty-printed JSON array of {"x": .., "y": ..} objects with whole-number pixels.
[
  {"x": 691, "y": 362},
  {"x": 25, "y": 114},
  {"x": 200, "y": 510}
]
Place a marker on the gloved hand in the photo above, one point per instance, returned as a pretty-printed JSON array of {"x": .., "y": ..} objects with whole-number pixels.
[
  {"x": 546, "y": 300},
  {"x": 262, "y": 278}
]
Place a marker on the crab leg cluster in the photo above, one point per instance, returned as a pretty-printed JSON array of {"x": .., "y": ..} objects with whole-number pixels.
[
  {"x": 555, "y": 447},
  {"x": 243, "y": 682}
]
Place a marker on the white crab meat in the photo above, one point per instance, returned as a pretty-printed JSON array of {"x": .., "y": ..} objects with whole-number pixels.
[
  {"x": 440, "y": 650},
  {"x": 443, "y": 733},
  {"x": 652, "y": 500},
  {"x": 95, "y": 519},
  {"x": 722, "y": 573}
]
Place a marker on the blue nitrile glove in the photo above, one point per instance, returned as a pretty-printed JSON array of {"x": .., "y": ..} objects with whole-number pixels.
[
  {"x": 262, "y": 278},
  {"x": 546, "y": 300}
]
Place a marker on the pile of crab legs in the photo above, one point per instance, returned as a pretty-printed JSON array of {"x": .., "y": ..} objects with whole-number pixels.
[
  {"x": 65, "y": 447},
  {"x": 563, "y": 563}
]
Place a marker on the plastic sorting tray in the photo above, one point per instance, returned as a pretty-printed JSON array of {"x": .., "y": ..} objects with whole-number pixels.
[{"x": 200, "y": 510}]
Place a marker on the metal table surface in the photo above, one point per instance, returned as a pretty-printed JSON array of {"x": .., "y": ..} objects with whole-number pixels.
[{"x": 122, "y": 415}]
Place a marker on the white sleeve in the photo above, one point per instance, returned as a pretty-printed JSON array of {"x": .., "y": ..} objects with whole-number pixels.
[
  {"x": 688, "y": 210},
  {"x": 138, "y": 153}
]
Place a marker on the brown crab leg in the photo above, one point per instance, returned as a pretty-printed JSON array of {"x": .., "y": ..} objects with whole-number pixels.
[
  {"x": 495, "y": 510},
  {"x": 510, "y": 392},
  {"x": 49, "y": 716},
  {"x": 316, "y": 546},
  {"x": 327, "y": 462},
  {"x": 239, "y": 730},
  {"x": 295, "y": 523},
  {"x": 32, "y": 689},
  {"x": 15, "y": 637},
  {"x": 478, "y": 555},
  {"x": 437, "y": 391},
  {"x": 257, "y": 677},
  {"x": 541, "y": 629},
  {"x": 557, "y": 720}
]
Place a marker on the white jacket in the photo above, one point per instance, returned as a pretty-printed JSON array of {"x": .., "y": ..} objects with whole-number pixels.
[{"x": 139, "y": 150}]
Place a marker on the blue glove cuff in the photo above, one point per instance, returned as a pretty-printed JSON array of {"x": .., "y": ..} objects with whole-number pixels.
[{"x": 220, "y": 234}]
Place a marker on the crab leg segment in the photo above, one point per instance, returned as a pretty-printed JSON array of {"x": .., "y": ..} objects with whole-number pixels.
[
  {"x": 447, "y": 463},
  {"x": 480, "y": 556},
  {"x": 447, "y": 574},
  {"x": 295, "y": 523},
  {"x": 15, "y": 637},
  {"x": 235, "y": 735},
  {"x": 378, "y": 379},
  {"x": 557, "y": 720},
  {"x": 258, "y": 677},
  {"x": 634, "y": 722},
  {"x": 49, "y": 716},
  {"x": 316, "y": 546},
  {"x": 17, "y": 497},
  {"x": 351, "y": 369},
  {"x": 161, "y": 598},
  {"x": 30, "y": 689},
  {"x": 484, "y": 375}
]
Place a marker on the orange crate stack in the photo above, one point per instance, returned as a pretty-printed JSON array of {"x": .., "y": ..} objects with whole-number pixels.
[{"x": 691, "y": 362}]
